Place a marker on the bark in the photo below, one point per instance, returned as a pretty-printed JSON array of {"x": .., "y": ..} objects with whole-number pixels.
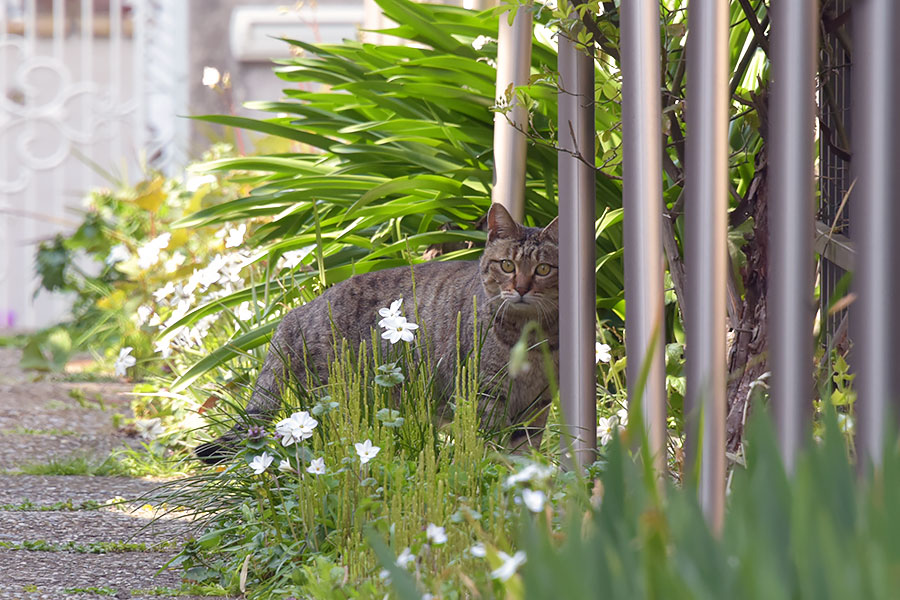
[{"x": 748, "y": 340}]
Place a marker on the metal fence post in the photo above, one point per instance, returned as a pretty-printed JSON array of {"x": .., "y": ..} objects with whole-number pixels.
[
  {"x": 706, "y": 191},
  {"x": 577, "y": 303},
  {"x": 510, "y": 143},
  {"x": 876, "y": 162},
  {"x": 791, "y": 215},
  {"x": 642, "y": 199}
]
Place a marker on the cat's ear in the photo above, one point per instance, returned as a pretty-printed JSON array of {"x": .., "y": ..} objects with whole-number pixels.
[
  {"x": 501, "y": 225},
  {"x": 551, "y": 231}
]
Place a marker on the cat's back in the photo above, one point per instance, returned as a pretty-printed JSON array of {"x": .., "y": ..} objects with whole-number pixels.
[{"x": 440, "y": 289}]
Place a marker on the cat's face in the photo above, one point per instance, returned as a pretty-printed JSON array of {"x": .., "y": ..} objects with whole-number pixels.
[{"x": 520, "y": 266}]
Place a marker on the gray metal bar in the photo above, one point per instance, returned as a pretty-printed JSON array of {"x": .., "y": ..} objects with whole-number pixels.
[
  {"x": 577, "y": 303},
  {"x": 510, "y": 143},
  {"x": 707, "y": 198},
  {"x": 876, "y": 162},
  {"x": 642, "y": 199},
  {"x": 791, "y": 215}
]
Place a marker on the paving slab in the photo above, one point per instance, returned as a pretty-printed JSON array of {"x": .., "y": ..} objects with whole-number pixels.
[{"x": 46, "y": 490}]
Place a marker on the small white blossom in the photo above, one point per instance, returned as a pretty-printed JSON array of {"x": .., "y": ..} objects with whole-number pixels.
[
  {"x": 534, "y": 499},
  {"x": 195, "y": 181},
  {"x": 291, "y": 259},
  {"x": 163, "y": 347},
  {"x": 296, "y": 428},
  {"x": 211, "y": 77},
  {"x": 529, "y": 473},
  {"x": 261, "y": 462},
  {"x": 479, "y": 42},
  {"x": 118, "y": 253},
  {"x": 398, "y": 329},
  {"x": 144, "y": 313},
  {"x": 174, "y": 262},
  {"x": 124, "y": 361},
  {"x": 244, "y": 312},
  {"x": 285, "y": 465},
  {"x": 316, "y": 466},
  {"x": 601, "y": 353},
  {"x": 605, "y": 429},
  {"x": 388, "y": 314},
  {"x": 149, "y": 429},
  {"x": 235, "y": 236},
  {"x": 405, "y": 558},
  {"x": 148, "y": 254},
  {"x": 510, "y": 565},
  {"x": 436, "y": 534},
  {"x": 366, "y": 451},
  {"x": 164, "y": 292},
  {"x": 478, "y": 550},
  {"x": 622, "y": 417}
]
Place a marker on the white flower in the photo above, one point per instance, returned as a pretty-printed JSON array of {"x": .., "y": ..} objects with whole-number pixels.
[
  {"x": 510, "y": 565},
  {"x": 243, "y": 312},
  {"x": 285, "y": 465},
  {"x": 118, "y": 253},
  {"x": 478, "y": 550},
  {"x": 163, "y": 347},
  {"x": 174, "y": 262},
  {"x": 622, "y": 417},
  {"x": 181, "y": 309},
  {"x": 261, "y": 462},
  {"x": 606, "y": 428},
  {"x": 211, "y": 77},
  {"x": 529, "y": 473},
  {"x": 296, "y": 428},
  {"x": 144, "y": 313},
  {"x": 316, "y": 466},
  {"x": 366, "y": 451},
  {"x": 534, "y": 499},
  {"x": 291, "y": 259},
  {"x": 436, "y": 534},
  {"x": 390, "y": 313},
  {"x": 164, "y": 292},
  {"x": 601, "y": 353},
  {"x": 148, "y": 254},
  {"x": 194, "y": 181},
  {"x": 397, "y": 329},
  {"x": 149, "y": 429},
  {"x": 405, "y": 558},
  {"x": 124, "y": 361},
  {"x": 479, "y": 42},
  {"x": 235, "y": 236}
]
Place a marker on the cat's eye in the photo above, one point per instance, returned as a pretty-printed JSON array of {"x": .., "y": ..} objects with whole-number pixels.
[
  {"x": 543, "y": 269},
  {"x": 507, "y": 266}
]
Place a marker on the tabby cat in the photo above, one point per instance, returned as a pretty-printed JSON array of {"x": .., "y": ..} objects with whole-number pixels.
[{"x": 514, "y": 282}]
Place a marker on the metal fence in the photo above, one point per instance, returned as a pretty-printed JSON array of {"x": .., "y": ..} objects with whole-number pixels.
[
  {"x": 85, "y": 86},
  {"x": 796, "y": 234}
]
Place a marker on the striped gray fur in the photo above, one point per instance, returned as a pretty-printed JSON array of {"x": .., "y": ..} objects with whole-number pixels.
[{"x": 444, "y": 291}]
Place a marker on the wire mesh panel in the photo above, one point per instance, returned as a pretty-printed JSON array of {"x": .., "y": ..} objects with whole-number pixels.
[
  {"x": 79, "y": 103},
  {"x": 834, "y": 159}
]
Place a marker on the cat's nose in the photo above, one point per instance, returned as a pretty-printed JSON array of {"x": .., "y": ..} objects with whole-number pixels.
[{"x": 523, "y": 289}]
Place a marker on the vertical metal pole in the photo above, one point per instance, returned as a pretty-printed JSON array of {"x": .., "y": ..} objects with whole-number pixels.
[
  {"x": 707, "y": 197},
  {"x": 876, "y": 162},
  {"x": 791, "y": 214},
  {"x": 577, "y": 303},
  {"x": 513, "y": 69},
  {"x": 642, "y": 199}
]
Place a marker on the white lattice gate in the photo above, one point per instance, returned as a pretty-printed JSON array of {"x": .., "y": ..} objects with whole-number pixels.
[{"x": 83, "y": 84}]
